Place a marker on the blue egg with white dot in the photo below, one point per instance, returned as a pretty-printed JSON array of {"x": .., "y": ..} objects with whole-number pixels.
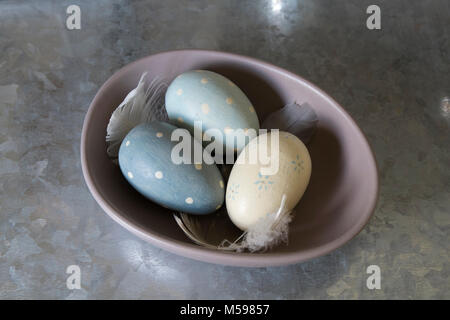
[
  {"x": 206, "y": 96},
  {"x": 147, "y": 163}
]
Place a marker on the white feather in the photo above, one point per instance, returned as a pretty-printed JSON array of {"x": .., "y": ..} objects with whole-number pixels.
[
  {"x": 142, "y": 104},
  {"x": 265, "y": 234}
]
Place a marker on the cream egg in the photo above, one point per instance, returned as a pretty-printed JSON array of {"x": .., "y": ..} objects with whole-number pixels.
[{"x": 257, "y": 184}]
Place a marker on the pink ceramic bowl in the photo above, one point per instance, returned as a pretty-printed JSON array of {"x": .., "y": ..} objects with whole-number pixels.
[{"x": 339, "y": 200}]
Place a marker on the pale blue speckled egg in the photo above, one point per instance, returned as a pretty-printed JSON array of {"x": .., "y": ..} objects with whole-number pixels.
[
  {"x": 209, "y": 97},
  {"x": 145, "y": 161}
]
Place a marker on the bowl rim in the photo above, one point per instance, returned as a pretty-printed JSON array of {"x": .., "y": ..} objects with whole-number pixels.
[{"x": 199, "y": 253}]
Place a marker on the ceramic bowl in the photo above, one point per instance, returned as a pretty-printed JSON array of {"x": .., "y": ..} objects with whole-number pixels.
[{"x": 337, "y": 204}]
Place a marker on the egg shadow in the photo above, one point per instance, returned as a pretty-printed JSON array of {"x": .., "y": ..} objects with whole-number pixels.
[{"x": 319, "y": 206}]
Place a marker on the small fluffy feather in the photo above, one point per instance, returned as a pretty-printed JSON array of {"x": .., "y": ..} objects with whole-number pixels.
[
  {"x": 142, "y": 104},
  {"x": 265, "y": 234},
  {"x": 300, "y": 120},
  {"x": 197, "y": 232},
  {"x": 189, "y": 227}
]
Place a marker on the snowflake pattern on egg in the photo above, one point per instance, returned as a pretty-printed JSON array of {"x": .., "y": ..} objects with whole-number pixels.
[
  {"x": 234, "y": 191},
  {"x": 298, "y": 163},
  {"x": 263, "y": 182}
]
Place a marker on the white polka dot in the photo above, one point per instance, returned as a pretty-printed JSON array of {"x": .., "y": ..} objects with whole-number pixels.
[
  {"x": 180, "y": 119},
  {"x": 227, "y": 130},
  {"x": 159, "y": 134},
  {"x": 158, "y": 175},
  {"x": 204, "y": 81},
  {"x": 251, "y": 109},
  {"x": 229, "y": 100},
  {"x": 231, "y": 83},
  {"x": 205, "y": 108},
  {"x": 127, "y": 143},
  {"x": 130, "y": 175},
  {"x": 221, "y": 184},
  {"x": 189, "y": 200},
  {"x": 179, "y": 92},
  {"x": 198, "y": 166}
]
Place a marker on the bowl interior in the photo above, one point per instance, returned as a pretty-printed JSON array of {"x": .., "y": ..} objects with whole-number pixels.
[{"x": 339, "y": 199}]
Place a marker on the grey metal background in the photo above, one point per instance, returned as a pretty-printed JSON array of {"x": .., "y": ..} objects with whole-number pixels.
[{"x": 392, "y": 82}]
